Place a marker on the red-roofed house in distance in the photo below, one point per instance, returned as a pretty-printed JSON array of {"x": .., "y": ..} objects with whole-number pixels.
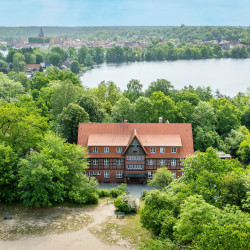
[
  {"x": 132, "y": 152},
  {"x": 32, "y": 67}
]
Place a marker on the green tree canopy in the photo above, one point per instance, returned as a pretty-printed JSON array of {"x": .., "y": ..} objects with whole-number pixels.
[
  {"x": 8, "y": 174},
  {"x": 123, "y": 110},
  {"x": 55, "y": 174},
  {"x": 144, "y": 109},
  {"x": 68, "y": 121},
  {"x": 159, "y": 85},
  {"x": 163, "y": 106},
  {"x": 134, "y": 90},
  {"x": 75, "y": 67},
  {"x": 21, "y": 127},
  {"x": 9, "y": 90},
  {"x": 92, "y": 106},
  {"x": 161, "y": 178}
]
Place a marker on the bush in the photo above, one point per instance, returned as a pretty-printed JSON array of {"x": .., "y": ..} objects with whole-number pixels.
[
  {"x": 114, "y": 193},
  {"x": 224, "y": 237},
  {"x": 157, "y": 244},
  {"x": 126, "y": 204},
  {"x": 158, "y": 206},
  {"x": 121, "y": 189},
  {"x": 144, "y": 194},
  {"x": 103, "y": 192},
  {"x": 84, "y": 192}
]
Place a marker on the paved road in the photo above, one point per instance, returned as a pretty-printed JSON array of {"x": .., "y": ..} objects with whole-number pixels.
[{"x": 134, "y": 189}]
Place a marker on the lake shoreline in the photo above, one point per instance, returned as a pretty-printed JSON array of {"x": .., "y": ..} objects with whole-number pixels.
[{"x": 223, "y": 74}]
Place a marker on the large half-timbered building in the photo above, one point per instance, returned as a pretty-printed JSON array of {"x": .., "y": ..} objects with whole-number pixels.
[{"x": 131, "y": 152}]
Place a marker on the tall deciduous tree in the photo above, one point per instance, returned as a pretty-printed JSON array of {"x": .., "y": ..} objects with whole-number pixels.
[
  {"x": 92, "y": 106},
  {"x": 75, "y": 67},
  {"x": 123, "y": 110},
  {"x": 144, "y": 109},
  {"x": 64, "y": 93},
  {"x": 9, "y": 90},
  {"x": 8, "y": 174},
  {"x": 68, "y": 121},
  {"x": 18, "y": 62},
  {"x": 163, "y": 106},
  {"x": 21, "y": 127},
  {"x": 162, "y": 85},
  {"x": 134, "y": 90},
  {"x": 55, "y": 174},
  {"x": 161, "y": 178}
]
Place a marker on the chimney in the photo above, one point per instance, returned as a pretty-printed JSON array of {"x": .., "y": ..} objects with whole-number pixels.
[
  {"x": 167, "y": 121},
  {"x": 125, "y": 121},
  {"x": 160, "y": 119}
]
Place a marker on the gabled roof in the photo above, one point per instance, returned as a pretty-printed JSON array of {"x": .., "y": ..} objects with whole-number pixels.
[
  {"x": 147, "y": 133},
  {"x": 133, "y": 135}
]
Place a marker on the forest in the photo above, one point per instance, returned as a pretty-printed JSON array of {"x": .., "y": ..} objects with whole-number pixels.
[
  {"x": 42, "y": 165},
  {"x": 112, "y": 33}
]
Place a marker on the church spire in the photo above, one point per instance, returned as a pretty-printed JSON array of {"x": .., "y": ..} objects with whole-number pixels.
[{"x": 41, "y": 33}]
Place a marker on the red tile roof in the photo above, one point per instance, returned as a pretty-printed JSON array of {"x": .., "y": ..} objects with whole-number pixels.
[
  {"x": 32, "y": 67},
  {"x": 168, "y": 133},
  {"x": 161, "y": 140},
  {"x": 108, "y": 139}
]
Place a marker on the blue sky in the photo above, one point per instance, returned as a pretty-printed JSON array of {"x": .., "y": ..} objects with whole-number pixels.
[{"x": 124, "y": 12}]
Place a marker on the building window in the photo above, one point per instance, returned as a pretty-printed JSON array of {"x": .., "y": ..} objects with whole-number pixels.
[
  {"x": 173, "y": 150},
  {"x": 174, "y": 174},
  {"x": 135, "y": 148},
  {"x": 119, "y": 162},
  {"x": 106, "y": 174},
  {"x": 173, "y": 162},
  {"x": 150, "y": 174},
  {"x": 119, "y": 174},
  {"x": 151, "y": 162},
  {"x": 95, "y": 162},
  {"x": 98, "y": 173},
  {"x": 90, "y": 173},
  {"x": 162, "y": 162},
  {"x": 94, "y": 172},
  {"x": 95, "y": 149},
  {"x": 106, "y": 149},
  {"x": 86, "y": 173},
  {"x": 106, "y": 162},
  {"x": 162, "y": 150},
  {"x": 134, "y": 166},
  {"x": 152, "y": 150},
  {"x": 118, "y": 150}
]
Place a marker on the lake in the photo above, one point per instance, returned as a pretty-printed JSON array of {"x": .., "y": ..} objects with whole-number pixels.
[{"x": 230, "y": 76}]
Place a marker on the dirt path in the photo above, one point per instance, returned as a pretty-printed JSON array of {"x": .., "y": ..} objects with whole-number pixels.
[{"x": 81, "y": 239}]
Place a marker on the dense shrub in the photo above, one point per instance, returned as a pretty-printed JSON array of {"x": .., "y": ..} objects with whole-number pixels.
[
  {"x": 125, "y": 203},
  {"x": 195, "y": 214},
  {"x": 157, "y": 244},
  {"x": 121, "y": 189},
  {"x": 228, "y": 236},
  {"x": 103, "y": 192},
  {"x": 158, "y": 207},
  {"x": 144, "y": 194}
]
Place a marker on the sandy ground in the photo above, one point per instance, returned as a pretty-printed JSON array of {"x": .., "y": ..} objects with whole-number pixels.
[{"x": 81, "y": 239}]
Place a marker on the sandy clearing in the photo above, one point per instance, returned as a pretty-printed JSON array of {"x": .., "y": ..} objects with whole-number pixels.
[{"x": 82, "y": 239}]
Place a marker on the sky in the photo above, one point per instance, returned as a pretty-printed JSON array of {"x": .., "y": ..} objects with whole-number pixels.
[{"x": 124, "y": 12}]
